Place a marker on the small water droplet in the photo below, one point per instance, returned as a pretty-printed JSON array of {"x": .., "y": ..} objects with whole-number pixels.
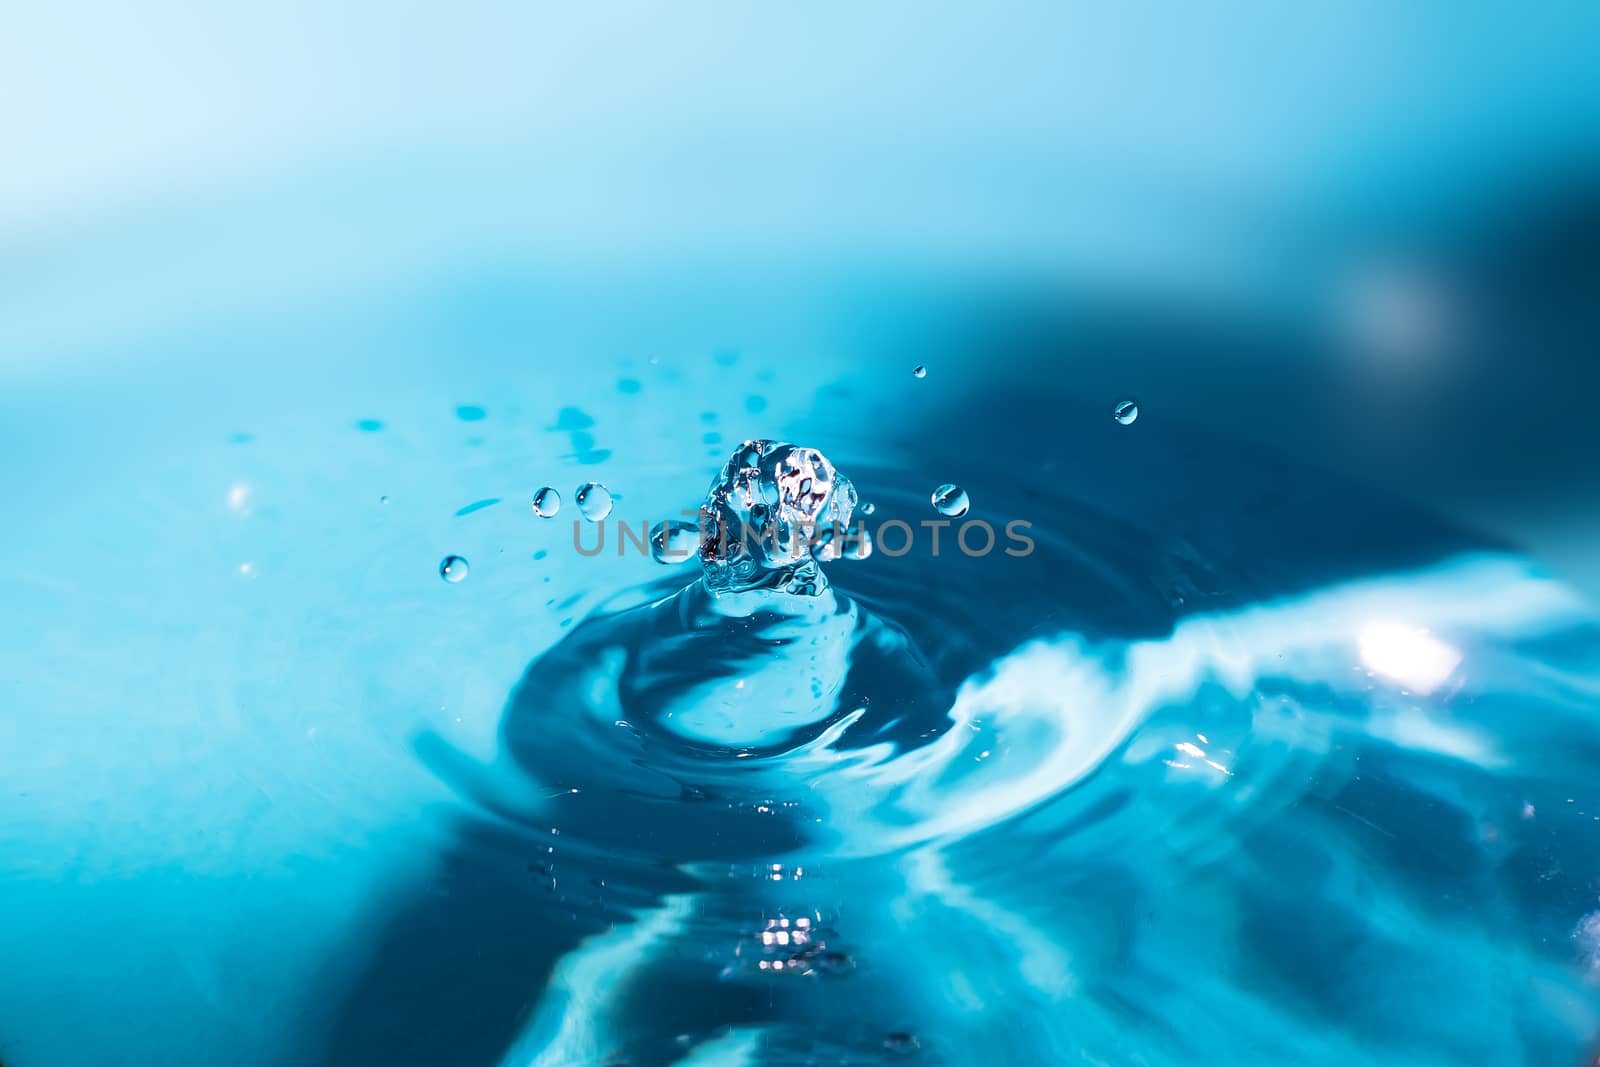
[
  {"x": 594, "y": 500},
  {"x": 383, "y": 500},
  {"x": 546, "y": 502},
  {"x": 674, "y": 542},
  {"x": 453, "y": 569},
  {"x": 920, "y": 371},
  {"x": 869, "y": 508},
  {"x": 951, "y": 500},
  {"x": 1125, "y": 412}
]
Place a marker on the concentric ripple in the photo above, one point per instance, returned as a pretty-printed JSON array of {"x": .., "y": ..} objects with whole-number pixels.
[{"x": 873, "y": 806}]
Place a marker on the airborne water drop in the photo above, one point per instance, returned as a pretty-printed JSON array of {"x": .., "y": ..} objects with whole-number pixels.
[
  {"x": 453, "y": 569},
  {"x": 546, "y": 502},
  {"x": 674, "y": 542},
  {"x": 951, "y": 500},
  {"x": 594, "y": 500}
]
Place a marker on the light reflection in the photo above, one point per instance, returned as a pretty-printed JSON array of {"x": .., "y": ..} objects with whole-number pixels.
[
  {"x": 1412, "y": 657},
  {"x": 1116, "y": 688},
  {"x": 1402, "y": 315},
  {"x": 788, "y": 945},
  {"x": 1189, "y": 748},
  {"x": 1587, "y": 936}
]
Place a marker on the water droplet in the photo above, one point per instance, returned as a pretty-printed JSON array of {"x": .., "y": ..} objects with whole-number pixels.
[
  {"x": 383, "y": 500},
  {"x": 673, "y": 542},
  {"x": 901, "y": 1043},
  {"x": 453, "y": 569},
  {"x": 546, "y": 502},
  {"x": 951, "y": 500},
  {"x": 920, "y": 371},
  {"x": 594, "y": 500},
  {"x": 1125, "y": 412},
  {"x": 869, "y": 508},
  {"x": 470, "y": 413}
]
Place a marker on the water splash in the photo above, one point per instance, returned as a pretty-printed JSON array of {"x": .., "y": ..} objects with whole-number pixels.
[
  {"x": 764, "y": 513},
  {"x": 759, "y": 723}
]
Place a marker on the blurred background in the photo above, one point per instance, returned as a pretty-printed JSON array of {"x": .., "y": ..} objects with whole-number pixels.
[
  {"x": 261, "y": 266},
  {"x": 1361, "y": 233}
]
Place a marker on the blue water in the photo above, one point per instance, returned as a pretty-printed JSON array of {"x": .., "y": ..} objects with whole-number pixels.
[
  {"x": 1234, "y": 764},
  {"x": 321, "y": 745}
]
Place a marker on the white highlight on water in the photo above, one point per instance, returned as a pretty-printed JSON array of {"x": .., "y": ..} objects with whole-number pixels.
[
  {"x": 1090, "y": 698},
  {"x": 1412, "y": 657}
]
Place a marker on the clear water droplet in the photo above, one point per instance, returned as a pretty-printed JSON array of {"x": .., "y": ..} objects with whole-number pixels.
[
  {"x": 674, "y": 542},
  {"x": 1125, "y": 412},
  {"x": 453, "y": 569},
  {"x": 594, "y": 500},
  {"x": 383, "y": 500},
  {"x": 920, "y": 371},
  {"x": 868, "y": 508},
  {"x": 546, "y": 502},
  {"x": 951, "y": 500}
]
